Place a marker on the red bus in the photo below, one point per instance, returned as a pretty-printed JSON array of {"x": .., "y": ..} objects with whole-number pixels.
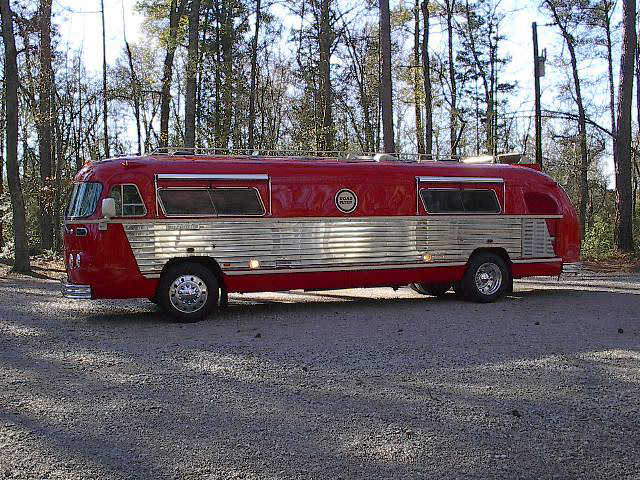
[{"x": 184, "y": 230}]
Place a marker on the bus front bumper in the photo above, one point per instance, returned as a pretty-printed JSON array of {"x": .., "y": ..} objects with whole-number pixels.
[{"x": 73, "y": 291}]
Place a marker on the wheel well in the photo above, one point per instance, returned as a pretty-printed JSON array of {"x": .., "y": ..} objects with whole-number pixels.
[
  {"x": 501, "y": 252},
  {"x": 206, "y": 262}
]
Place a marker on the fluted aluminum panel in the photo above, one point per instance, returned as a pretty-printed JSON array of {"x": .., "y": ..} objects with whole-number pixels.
[
  {"x": 536, "y": 241},
  {"x": 331, "y": 242}
]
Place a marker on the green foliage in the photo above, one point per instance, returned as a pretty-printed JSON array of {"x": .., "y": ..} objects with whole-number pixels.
[{"x": 598, "y": 241}]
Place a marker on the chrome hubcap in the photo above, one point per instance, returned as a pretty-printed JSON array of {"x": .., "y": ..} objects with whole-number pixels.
[
  {"x": 488, "y": 278},
  {"x": 188, "y": 293}
]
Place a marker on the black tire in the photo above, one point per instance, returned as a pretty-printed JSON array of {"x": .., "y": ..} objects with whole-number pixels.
[
  {"x": 201, "y": 295},
  {"x": 486, "y": 279},
  {"x": 433, "y": 289}
]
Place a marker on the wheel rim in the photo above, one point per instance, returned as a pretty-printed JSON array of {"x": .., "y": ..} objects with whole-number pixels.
[
  {"x": 188, "y": 293},
  {"x": 488, "y": 278}
]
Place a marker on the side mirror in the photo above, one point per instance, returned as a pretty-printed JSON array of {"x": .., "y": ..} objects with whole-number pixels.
[{"x": 108, "y": 208}]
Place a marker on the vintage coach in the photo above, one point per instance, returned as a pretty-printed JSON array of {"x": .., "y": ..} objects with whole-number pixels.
[{"x": 183, "y": 230}]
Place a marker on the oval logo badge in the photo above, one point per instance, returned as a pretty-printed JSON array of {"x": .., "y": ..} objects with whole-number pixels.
[{"x": 346, "y": 200}]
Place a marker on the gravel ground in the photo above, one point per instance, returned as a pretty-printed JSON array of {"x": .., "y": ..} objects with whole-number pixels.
[{"x": 344, "y": 384}]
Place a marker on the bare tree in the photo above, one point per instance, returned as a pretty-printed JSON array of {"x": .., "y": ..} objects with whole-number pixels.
[
  {"x": 21, "y": 244},
  {"x": 417, "y": 87},
  {"x": 191, "y": 76},
  {"x": 325, "y": 43},
  {"x": 450, "y": 6},
  {"x": 254, "y": 68},
  {"x": 386, "y": 84},
  {"x": 426, "y": 78},
  {"x": 561, "y": 16},
  {"x": 176, "y": 11},
  {"x": 105, "y": 104},
  {"x": 623, "y": 237},
  {"x": 44, "y": 125}
]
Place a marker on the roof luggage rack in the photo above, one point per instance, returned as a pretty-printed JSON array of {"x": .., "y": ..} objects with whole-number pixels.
[{"x": 337, "y": 155}]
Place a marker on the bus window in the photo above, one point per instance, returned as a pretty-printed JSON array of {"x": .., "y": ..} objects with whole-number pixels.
[
  {"x": 456, "y": 200},
  {"x": 128, "y": 201},
  {"x": 184, "y": 202},
  {"x": 213, "y": 202},
  {"x": 84, "y": 200},
  {"x": 237, "y": 201}
]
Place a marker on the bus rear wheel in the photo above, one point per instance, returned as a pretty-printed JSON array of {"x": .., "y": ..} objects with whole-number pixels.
[
  {"x": 188, "y": 291},
  {"x": 434, "y": 289},
  {"x": 486, "y": 278}
]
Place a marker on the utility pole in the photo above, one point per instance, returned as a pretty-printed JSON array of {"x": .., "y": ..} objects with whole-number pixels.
[
  {"x": 104, "y": 84},
  {"x": 538, "y": 71}
]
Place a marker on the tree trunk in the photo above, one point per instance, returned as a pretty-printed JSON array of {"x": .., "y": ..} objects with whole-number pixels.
[
  {"x": 254, "y": 68},
  {"x": 453, "y": 114},
  {"x": 386, "y": 84},
  {"x": 105, "y": 104},
  {"x": 623, "y": 236},
  {"x": 44, "y": 127},
  {"x": 191, "y": 76},
  {"x": 417, "y": 87},
  {"x": 2, "y": 130},
  {"x": 325, "y": 40},
  {"x": 21, "y": 263},
  {"x": 135, "y": 92},
  {"x": 226, "y": 42},
  {"x": 426, "y": 78},
  {"x": 176, "y": 11}
]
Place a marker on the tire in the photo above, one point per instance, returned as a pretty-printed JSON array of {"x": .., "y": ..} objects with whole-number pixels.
[
  {"x": 486, "y": 279},
  {"x": 188, "y": 291},
  {"x": 433, "y": 289}
]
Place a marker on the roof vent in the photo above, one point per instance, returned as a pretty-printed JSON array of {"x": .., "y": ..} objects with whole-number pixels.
[
  {"x": 384, "y": 157},
  {"x": 510, "y": 158}
]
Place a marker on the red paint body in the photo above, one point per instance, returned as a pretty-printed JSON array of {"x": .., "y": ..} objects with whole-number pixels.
[{"x": 305, "y": 188}]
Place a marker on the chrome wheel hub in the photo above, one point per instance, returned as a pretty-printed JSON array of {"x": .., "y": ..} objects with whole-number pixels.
[
  {"x": 488, "y": 278},
  {"x": 188, "y": 293}
]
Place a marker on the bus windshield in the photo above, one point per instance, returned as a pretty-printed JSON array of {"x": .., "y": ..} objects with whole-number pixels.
[{"x": 84, "y": 200}]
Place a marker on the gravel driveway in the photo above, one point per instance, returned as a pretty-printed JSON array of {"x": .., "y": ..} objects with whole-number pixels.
[{"x": 345, "y": 384}]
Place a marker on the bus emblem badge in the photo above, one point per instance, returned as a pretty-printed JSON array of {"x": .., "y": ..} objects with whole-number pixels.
[{"x": 346, "y": 200}]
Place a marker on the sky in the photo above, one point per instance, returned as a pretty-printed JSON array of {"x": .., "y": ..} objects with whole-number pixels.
[{"x": 79, "y": 23}]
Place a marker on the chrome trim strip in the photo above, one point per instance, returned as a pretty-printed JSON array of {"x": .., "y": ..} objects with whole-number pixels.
[
  {"x": 537, "y": 260},
  {"x": 265, "y": 219},
  {"x": 216, "y": 176},
  {"x": 74, "y": 291},
  {"x": 343, "y": 269},
  {"x": 460, "y": 179}
]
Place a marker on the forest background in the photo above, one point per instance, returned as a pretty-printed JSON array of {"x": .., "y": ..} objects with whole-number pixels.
[{"x": 443, "y": 78}]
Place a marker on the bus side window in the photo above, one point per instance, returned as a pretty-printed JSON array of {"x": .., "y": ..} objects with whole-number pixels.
[
  {"x": 219, "y": 201},
  {"x": 460, "y": 200},
  {"x": 128, "y": 201}
]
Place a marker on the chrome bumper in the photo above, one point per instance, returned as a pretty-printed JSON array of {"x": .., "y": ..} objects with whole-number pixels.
[
  {"x": 76, "y": 292},
  {"x": 572, "y": 267}
]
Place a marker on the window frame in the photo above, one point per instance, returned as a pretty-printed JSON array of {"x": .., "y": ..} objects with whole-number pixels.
[
  {"x": 215, "y": 215},
  {"x": 122, "y": 204},
  {"x": 459, "y": 189}
]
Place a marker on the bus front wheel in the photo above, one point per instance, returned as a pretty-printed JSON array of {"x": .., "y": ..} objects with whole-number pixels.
[
  {"x": 486, "y": 278},
  {"x": 188, "y": 291}
]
